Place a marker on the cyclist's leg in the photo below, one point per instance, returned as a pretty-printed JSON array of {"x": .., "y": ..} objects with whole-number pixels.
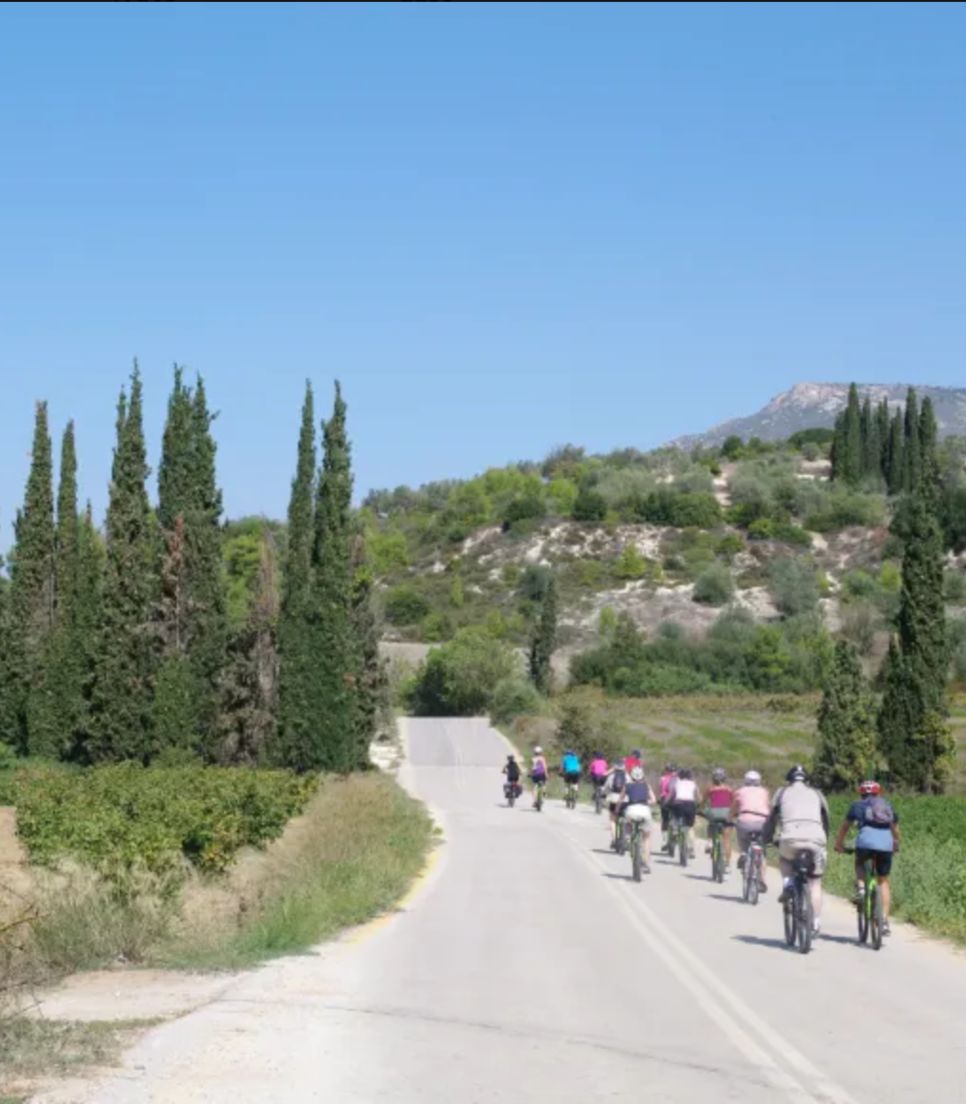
[
  {"x": 883, "y": 868},
  {"x": 727, "y": 846},
  {"x": 691, "y": 810},
  {"x": 821, "y": 858},
  {"x": 860, "y": 857}
]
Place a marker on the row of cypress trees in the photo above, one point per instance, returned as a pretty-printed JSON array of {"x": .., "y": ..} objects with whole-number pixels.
[
  {"x": 908, "y": 735},
  {"x": 116, "y": 646},
  {"x": 873, "y": 445}
]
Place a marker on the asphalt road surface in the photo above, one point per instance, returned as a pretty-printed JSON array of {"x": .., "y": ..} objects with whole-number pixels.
[{"x": 529, "y": 967}]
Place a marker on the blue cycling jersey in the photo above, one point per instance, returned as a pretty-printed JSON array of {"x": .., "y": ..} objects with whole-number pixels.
[{"x": 571, "y": 764}]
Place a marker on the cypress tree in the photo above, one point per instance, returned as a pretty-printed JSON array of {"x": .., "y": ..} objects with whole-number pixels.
[
  {"x": 58, "y": 709},
  {"x": 895, "y": 461},
  {"x": 911, "y": 451},
  {"x": 126, "y": 658},
  {"x": 871, "y": 447},
  {"x": 852, "y": 440},
  {"x": 292, "y": 743},
  {"x": 913, "y": 735},
  {"x": 883, "y": 427},
  {"x": 335, "y": 648},
  {"x": 845, "y": 752},
  {"x": 838, "y": 450},
  {"x": 250, "y": 681},
  {"x": 929, "y": 446},
  {"x": 374, "y": 705},
  {"x": 188, "y": 496},
  {"x": 544, "y": 639},
  {"x": 32, "y": 589},
  {"x": 87, "y": 613}
]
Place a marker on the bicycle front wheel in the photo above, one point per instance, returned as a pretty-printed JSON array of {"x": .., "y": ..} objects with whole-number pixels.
[
  {"x": 805, "y": 918},
  {"x": 876, "y": 919}
]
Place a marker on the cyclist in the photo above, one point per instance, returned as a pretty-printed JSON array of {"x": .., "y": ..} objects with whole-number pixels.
[
  {"x": 637, "y": 795},
  {"x": 598, "y": 769},
  {"x": 670, "y": 773},
  {"x": 718, "y": 801},
  {"x": 683, "y": 798},
  {"x": 512, "y": 771},
  {"x": 635, "y": 759},
  {"x": 877, "y": 841},
  {"x": 570, "y": 767},
  {"x": 749, "y": 811},
  {"x": 538, "y": 770},
  {"x": 615, "y": 782},
  {"x": 801, "y": 814}
]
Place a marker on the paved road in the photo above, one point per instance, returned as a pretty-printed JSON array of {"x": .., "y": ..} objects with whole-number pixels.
[{"x": 530, "y": 968}]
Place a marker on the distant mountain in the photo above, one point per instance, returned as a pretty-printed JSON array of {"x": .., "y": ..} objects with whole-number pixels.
[{"x": 807, "y": 405}]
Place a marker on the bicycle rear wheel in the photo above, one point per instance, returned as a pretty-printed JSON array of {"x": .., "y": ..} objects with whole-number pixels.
[
  {"x": 876, "y": 919},
  {"x": 598, "y": 801},
  {"x": 718, "y": 855},
  {"x": 804, "y": 918},
  {"x": 636, "y": 855},
  {"x": 538, "y": 804},
  {"x": 683, "y": 847},
  {"x": 790, "y": 919},
  {"x": 752, "y": 878}
]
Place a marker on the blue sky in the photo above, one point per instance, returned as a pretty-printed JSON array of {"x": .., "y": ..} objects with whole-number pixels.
[{"x": 502, "y": 227}]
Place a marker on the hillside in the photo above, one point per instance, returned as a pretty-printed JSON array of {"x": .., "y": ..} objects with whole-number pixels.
[
  {"x": 808, "y": 405},
  {"x": 737, "y": 568}
]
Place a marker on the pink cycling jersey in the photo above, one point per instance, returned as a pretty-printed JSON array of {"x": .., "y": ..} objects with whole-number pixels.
[
  {"x": 719, "y": 797},
  {"x": 598, "y": 768},
  {"x": 752, "y": 805},
  {"x": 666, "y": 780}
]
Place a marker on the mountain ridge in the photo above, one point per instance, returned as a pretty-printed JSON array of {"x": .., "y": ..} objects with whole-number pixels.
[{"x": 808, "y": 405}]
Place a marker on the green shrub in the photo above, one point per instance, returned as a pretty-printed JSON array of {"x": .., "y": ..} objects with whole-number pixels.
[
  {"x": 729, "y": 546},
  {"x": 631, "y": 564},
  {"x": 954, "y": 587},
  {"x": 762, "y": 528},
  {"x": 714, "y": 587},
  {"x": 458, "y": 679},
  {"x": 793, "y": 586},
  {"x": 127, "y": 817},
  {"x": 513, "y": 697},
  {"x": 589, "y": 506},
  {"x": 7, "y": 757},
  {"x": 405, "y": 605},
  {"x": 436, "y": 626}
]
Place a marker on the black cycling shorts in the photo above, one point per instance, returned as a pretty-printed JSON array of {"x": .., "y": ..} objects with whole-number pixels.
[
  {"x": 572, "y": 778},
  {"x": 685, "y": 812},
  {"x": 881, "y": 860}
]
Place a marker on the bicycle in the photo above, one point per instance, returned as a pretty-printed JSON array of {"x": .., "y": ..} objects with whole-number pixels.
[
  {"x": 715, "y": 832},
  {"x": 634, "y": 827},
  {"x": 754, "y": 864},
  {"x": 511, "y": 791},
  {"x": 797, "y": 912},
  {"x": 538, "y": 794},
  {"x": 678, "y": 840},
  {"x": 598, "y": 797},
  {"x": 868, "y": 908},
  {"x": 571, "y": 794}
]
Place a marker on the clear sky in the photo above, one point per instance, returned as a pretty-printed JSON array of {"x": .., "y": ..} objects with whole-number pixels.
[{"x": 502, "y": 226}]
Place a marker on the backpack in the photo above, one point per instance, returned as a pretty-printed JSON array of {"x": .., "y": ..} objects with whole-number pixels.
[
  {"x": 618, "y": 781},
  {"x": 879, "y": 813}
]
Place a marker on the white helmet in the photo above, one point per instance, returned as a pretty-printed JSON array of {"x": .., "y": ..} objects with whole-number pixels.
[
  {"x": 538, "y": 750},
  {"x": 752, "y": 778},
  {"x": 636, "y": 774}
]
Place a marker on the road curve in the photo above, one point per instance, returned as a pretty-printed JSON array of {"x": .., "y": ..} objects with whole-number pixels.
[{"x": 529, "y": 967}]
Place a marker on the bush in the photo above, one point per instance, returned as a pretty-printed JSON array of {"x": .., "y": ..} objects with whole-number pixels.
[
  {"x": 680, "y": 509},
  {"x": 586, "y": 725},
  {"x": 631, "y": 564},
  {"x": 458, "y": 679},
  {"x": 514, "y": 697},
  {"x": 793, "y": 586},
  {"x": 714, "y": 587},
  {"x": 126, "y": 817},
  {"x": 589, "y": 506},
  {"x": 436, "y": 626},
  {"x": 405, "y": 605}
]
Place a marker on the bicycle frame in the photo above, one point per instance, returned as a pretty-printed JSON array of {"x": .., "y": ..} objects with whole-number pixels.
[{"x": 869, "y": 908}]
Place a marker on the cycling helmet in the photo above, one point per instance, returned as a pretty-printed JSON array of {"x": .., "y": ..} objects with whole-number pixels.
[
  {"x": 538, "y": 750},
  {"x": 636, "y": 774},
  {"x": 671, "y": 768},
  {"x": 685, "y": 773},
  {"x": 718, "y": 774},
  {"x": 796, "y": 774},
  {"x": 869, "y": 788},
  {"x": 752, "y": 778},
  {"x": 636, "y": 752},
  {"x": 511, "y": 758}
]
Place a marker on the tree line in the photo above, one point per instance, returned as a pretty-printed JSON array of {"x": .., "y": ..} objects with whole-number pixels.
[
  {"x": 908, "y": 736},
  {"x": 117, "y": 645}
]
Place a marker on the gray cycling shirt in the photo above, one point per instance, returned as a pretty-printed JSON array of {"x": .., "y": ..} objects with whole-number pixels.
[{"x": 802, "y": 813}]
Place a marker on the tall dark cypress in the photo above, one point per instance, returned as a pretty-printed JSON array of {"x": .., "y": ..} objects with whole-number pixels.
[
  {"x": 913, "y": 734},
  {"x": 374, "y": 706},
  {"x": 334, "y": 698},
  {"x": 544, "y": 640},
  {"x": 852, "y": 439},
  {"x": 895, "y": 463},
  {"x": 293, "y": 740},
  {"x": 32, "y": 589},
  {"x": 882, "y": 431},
  {"x": 846, "y": 745},
  {"x": 121, "y": 722},
  {"x": 911, "y": 452},
  {"x": 871, "y": 449},
  {"x": 189, "y": 510},
  {"x": 57, "y": 713},
  {"x": 87, "y": 613},
  {"x": 928, "y": 447}
]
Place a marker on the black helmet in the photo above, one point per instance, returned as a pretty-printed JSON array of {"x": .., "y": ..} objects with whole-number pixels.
[
  {"x": 685, "y": 773},
  {"x": 796, "y": 774},
  {"x": 671, "y": 768}
]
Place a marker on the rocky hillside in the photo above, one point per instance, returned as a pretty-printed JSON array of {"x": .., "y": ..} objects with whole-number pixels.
[{"x": 810, "y": 405}]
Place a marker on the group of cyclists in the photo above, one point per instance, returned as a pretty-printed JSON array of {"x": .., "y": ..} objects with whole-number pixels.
[{"x": 795, "y": 818}]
